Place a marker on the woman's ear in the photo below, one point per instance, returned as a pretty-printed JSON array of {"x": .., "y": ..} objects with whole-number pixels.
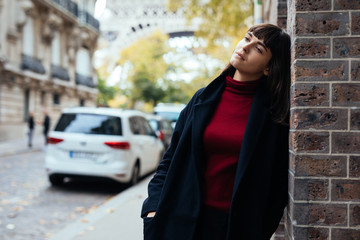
[{"x": 266, "y": 71}]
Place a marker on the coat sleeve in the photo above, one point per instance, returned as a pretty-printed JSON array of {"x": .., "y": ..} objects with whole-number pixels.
[
  {"x": 156, "y": 184},
  {"x": 278, "y": 196}
]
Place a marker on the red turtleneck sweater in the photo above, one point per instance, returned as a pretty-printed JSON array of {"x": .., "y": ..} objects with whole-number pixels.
[{"x": 222, "y": 141}]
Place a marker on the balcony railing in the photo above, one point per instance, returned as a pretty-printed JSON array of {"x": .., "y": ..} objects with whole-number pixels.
[
  {"x": 84, "y": 80},
  {"x": 32, "y": 64},
  {"x": 59, "y": 72},
  {"x": 82, "y": 15},
  {"x": 87, "y": 18}
]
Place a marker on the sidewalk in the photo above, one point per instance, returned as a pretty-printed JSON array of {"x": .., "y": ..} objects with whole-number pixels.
[
  {"x": 17, "y": 146},
  {"x": 117, "y": 219}
]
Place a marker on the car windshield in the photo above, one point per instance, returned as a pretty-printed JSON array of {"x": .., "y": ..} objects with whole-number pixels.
[{"x": 89, "y": 124}]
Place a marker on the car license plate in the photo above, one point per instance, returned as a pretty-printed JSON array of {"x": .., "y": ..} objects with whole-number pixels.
[{"x": 83, "y": 155}]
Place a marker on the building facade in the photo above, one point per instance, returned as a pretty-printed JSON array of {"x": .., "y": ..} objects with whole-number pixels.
[{"x": 46, "y": 53}]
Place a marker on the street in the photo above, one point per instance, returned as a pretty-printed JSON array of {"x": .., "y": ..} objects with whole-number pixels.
[{"x": 30, "y": 208}]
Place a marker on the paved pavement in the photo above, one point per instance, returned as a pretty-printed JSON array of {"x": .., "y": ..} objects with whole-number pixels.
[
  {"x": 17, "y": 146},
  {"x": 117, "y": 219}
]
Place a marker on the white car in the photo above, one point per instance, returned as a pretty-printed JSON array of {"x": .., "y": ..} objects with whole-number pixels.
[{"x": 102, "y": 142}]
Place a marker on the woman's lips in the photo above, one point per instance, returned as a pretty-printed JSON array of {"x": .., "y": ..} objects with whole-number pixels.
[{"x": 239, "y": 54}]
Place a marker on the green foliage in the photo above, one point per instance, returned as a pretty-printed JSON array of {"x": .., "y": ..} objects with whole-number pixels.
[
  {"x": 148, "y": 67},
  {"x": 106, "y": 93},
  {"x": 221, "y": 20}
]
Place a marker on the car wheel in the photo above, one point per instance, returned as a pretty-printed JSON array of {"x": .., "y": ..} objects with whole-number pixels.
[
  {"x": 56, "y": 180},
  {"x": 135, "y": 175}
]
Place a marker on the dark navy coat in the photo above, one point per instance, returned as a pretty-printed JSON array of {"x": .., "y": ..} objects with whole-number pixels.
[{"x": 260, "y": 190}]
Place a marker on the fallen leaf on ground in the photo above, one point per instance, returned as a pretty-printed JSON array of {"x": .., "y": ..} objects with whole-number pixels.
[
  {"x": 10, "y": 226},
  {"x": 110, "y": 210}
]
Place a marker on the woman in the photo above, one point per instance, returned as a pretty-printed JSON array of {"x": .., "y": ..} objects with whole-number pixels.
[{"x": 224, "y": 175}]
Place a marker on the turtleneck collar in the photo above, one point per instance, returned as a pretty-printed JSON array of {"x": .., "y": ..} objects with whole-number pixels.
[{"x": 241, "y": 87}]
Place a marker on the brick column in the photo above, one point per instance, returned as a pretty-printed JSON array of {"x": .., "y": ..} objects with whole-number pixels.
[{"x": 324, "y": 178}]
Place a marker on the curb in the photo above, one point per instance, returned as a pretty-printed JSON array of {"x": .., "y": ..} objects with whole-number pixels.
[{"x": 108, "y": 221}]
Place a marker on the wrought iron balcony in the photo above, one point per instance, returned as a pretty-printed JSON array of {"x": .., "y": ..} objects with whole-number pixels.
[
  {"x": 87, "y": 18},
  {"x": 32, "y": 64},
  {"x": 59, "y": 72},
  {"x": 69, "y": 5},
  {"x": 82, "y": 15},
  {"x": 84, "y": 80}
]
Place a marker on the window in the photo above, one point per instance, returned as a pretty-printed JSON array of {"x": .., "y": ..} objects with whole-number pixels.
[
  {"x": 42, "y": 98},
  {"x": 135, "y": 126},
  {"x": 82, "y": 102},
  {"x": 28, "y": 37},
  {"x": 146, "y": 126},
  {"x": 56, "y": 99},
  {"x": 83, "y": 62},
  {"x": 55, "y": 49},
  {"x": 89, "y": 124}
]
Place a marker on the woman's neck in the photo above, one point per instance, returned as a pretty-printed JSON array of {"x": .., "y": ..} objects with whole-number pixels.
[{"x": 245, "y": 77}]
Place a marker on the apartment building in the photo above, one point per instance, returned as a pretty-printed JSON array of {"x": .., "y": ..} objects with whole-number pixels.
[{"x": 46, "y": 53}]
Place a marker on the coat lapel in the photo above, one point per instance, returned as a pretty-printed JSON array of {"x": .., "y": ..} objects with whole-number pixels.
[
  {"x": 203, "y": 111},
  {"x": 257, "y": 118}
]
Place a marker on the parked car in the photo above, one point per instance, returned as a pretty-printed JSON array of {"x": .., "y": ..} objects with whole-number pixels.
[
  {"x": 102, "y": 142},
  {"x": 162, "y": 128},
  {"x": 169, "y": 111}
]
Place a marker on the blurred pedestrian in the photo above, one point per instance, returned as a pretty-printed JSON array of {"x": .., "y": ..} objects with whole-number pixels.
[
  {"x": 46, "y": 125},
  {"x": 31, "y": 126},
  {"x": 225, "y": 173}
]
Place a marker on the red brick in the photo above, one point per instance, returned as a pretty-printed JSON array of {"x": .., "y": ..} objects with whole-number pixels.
[
  {"x": 355, "y": 215},
  {"x": 355, "y": 70},
  {"x": 345, "y": 234},
  {"x": 321, "y": 70},
  {"x": 347, "y": 47},
  {"x": 355, "y": 23},
  {"x": 347, "y": 94},
  {"x": 312, "y": 48},
  {"x": 314, "y": 5},
  {"x": 315, "y": 142},
  {"x": 354, "y": 166},
  {"x": 320, "y": 166},
  {"x": 309, "y": 94},
  {"x": 346, "y": 142},
  {"x": 311, "y": 189},
  {"x": 311, "y": 233},
  {"x": 345, "y": 190},
  {"x": 320, "y": 214},
  {"x": 355, "y": 119},
  {"x": 347, "y": 5},
  {"x": 322, "y": 24},
  {"x": 334, "y": 119}
]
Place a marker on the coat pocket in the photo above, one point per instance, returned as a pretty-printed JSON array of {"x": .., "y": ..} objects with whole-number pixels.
[{"x": 147, "y": 228}]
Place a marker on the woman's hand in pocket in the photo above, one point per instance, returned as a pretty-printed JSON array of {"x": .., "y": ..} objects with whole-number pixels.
[{"x": 151, "y": 214}]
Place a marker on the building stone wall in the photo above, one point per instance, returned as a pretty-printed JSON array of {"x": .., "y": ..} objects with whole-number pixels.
[
  {"x": 324, "y": 176},
  {"x": 32, "y": 82}
]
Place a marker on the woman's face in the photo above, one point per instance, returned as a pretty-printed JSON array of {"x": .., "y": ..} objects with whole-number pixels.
[{"x": 251, "y": 58}]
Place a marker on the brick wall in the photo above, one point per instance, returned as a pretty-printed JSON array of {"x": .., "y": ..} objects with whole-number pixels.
[{"x": 324, "y": 179}]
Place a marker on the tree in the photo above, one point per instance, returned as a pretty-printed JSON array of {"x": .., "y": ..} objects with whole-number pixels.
[
  {"x": 221, "y": 21},
  {"x": 106, "y": 93},
  {"x": 148, "y": 67}
]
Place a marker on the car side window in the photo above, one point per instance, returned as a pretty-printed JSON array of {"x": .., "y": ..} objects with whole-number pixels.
[
  {"x": 146, "y": 126},
  {"x": 135, "y": 126}
]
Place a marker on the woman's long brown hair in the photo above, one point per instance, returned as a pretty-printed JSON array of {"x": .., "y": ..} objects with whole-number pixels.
[{"x": 278, "y": 79}]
